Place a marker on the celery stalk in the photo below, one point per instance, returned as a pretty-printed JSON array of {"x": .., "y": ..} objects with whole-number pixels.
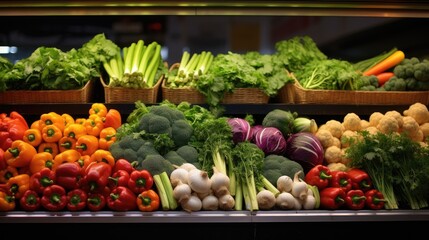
[
  {"x": 168, "y": 190},
  {"x": 146, "y": 57},
  {"x": 149, "y": 74},
  {"x": 161, "y": 191},
  {"x": 129, "y": 58},
  {"x": 137, "y": 56}
]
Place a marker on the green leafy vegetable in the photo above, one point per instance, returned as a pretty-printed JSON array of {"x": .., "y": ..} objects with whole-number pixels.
[{"x": 397, "y": 165}]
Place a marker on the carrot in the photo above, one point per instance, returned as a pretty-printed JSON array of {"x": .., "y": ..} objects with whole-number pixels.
[
  {"x": 384, "y": 77},
  {"x": 386, "y": 64}
]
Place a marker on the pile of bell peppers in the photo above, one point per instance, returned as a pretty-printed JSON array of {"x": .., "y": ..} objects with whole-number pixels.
[
  {"x": 61, "y": 163},
  {"x": 351, "y": 189}
]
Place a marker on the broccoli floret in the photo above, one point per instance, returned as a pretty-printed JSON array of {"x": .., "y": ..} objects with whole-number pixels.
[
  {"x": 146, "y": 149},
  {"x": 169, "y": 121},
  {"x": 280, "y": 119},
  {"x": 189, "y": 153},
  {"x": 404, "y": 70},
  {"x": 174, "y": 158},
  {"x": 156, "y": 164},
  {"x": 367, "y": 83},
  {"x": 277, "y": 165},
  {"x": 152, "y": 123},
  {"x": 169, "y": 113},
  {"x": 395, "y": 84},
  {"x": 127, "y": 147},
  {"x": 181, "y": 132},
  {"x": 421, "y": 71}
]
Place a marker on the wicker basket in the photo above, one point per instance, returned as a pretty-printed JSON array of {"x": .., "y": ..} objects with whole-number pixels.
[
  {"x": 128, "y": 95},
  {"x": 295, "y": 93},
  {"x": 191, "y": 95},
  {"x": 177, "y": 95},
  {"x": 246, "y": 96},
  {"x": 83, "y": 95}
]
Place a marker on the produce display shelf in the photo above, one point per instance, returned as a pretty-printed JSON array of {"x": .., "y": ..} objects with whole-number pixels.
[
  {"x": 217, "y": 8},
  {"x": 230, "y": 109},
  {"x": 215, "y": 216}
]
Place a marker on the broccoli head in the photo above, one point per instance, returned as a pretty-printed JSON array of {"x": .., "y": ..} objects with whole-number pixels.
[
  {"x": 165, "y": 120},
  {"x": 127, "y": 148},
  {"x": 395, "y": 84},
  {"x": 421, "y": 71},
  {"x": 174, "y": 158},
  {"x": 156, "y": 164},
  {"x": 181, "y": 132},
  {"x": 367, "y": 83},
  {"x": 277, "y": 165},
  {"x": 152, "y": 123}
]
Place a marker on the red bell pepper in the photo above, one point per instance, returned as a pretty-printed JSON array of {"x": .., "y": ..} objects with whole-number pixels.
[
  {"x": 355, "y": 199},
  {"x": 69, "y": 175},
  {"x": 123, "y": 164},
  {"x": 122, "y": 199},
  {"x": 30, "y": 201},
  {"x": 95, "y": 201},
  {"x": 76, "y": 199},
  {"x": 319, "y": 176},
  {"x": 119, "y": 178},
  {"x": 374, "y": 199},
  {"x": 332, "y": 198},
  {"x": 140, "y": 180},
  {"x": 12, "y": 128},
  {"x": 341, "y": 179},
  {"x": 54, "y": 198},
  {"x": 360, "y": 179},
  {"x": 42, "y": 179},
  {"x": 96, "y": 176}
]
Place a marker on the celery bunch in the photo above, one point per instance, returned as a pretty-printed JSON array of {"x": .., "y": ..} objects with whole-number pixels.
[
  {"x": 136, "y": 67},
  {"x": 190, "y": 69}
]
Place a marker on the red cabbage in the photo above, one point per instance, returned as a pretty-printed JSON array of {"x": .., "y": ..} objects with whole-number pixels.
[
  {"x": 241, "y": 130},
  {"x": 270, "y": 140},
  {"x": 255, "y": 129},
  {"x": 304, "y": 148}
]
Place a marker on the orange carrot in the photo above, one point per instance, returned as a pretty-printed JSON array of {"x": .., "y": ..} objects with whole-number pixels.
[
  {"x": 389, "y": 62},
  {"x": 384, "y": 77}
]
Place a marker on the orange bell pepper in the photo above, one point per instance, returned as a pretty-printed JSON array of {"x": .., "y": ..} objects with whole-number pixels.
[
  {"x": 74, "y": 130},
  {"x": 18, "y": 184},
  {"x": 7, "y": 173},
  {"x": 107, "y": 138},
  {"x": 35, "y": 124},
  {"x": 87, "y": 144},
  {"x": 101, "y": 155},
  {"x": 52, "y": 118},
  {"x": 112, "y": 119},
  {"x": 33, "y": 136},
  {"x": 7, "y": 202},
  {"x": 68, "y": 119},
  {"x": 71, "y": 155},
  {"x": 80, "y": 120},
  {"x": 41, "y": 160},
  {"x": 51, "y": 148},
  {"x": 51, "y": 133},
  {"x": 19, "y": 154},
  {"x": 93, "y": 125},
  {"x": 99, "y": 109},
  {"x": 148, "y": 201},
  {"x": 66, "y": 143}
]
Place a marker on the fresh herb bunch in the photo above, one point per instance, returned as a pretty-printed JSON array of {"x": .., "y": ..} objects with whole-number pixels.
[{"x": 397, "y": 165}]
